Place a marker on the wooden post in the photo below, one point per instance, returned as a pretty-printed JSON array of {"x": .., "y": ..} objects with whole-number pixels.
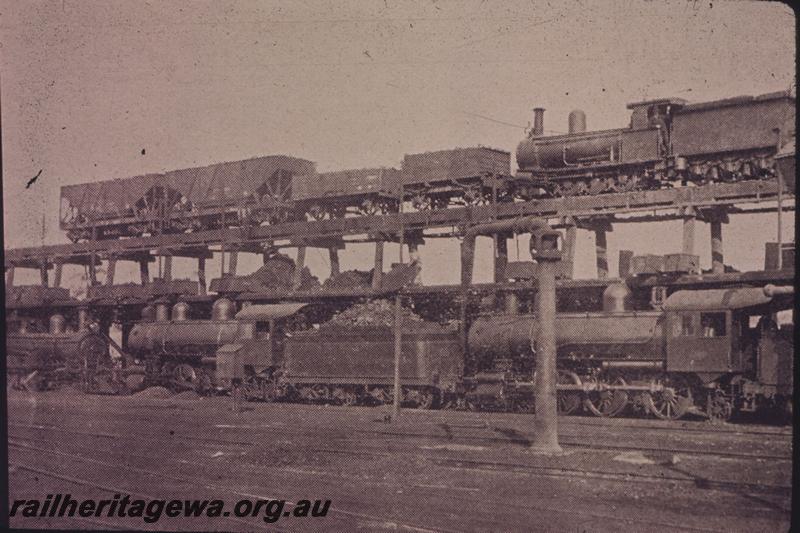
[
  {"x": 717, "y": 256},
  {"x": 233, "y": 261},
  {"x": 167, "y": 275},
  {"x": 333, "y": 255},
  {"x": 413, "y": 257},
  {"x": 222, "y": 261},
  {"x": 92, "y": 271},
  {"x": 780, "y": 201},
  {"x": 112, "y": 265},
  {"x": 201, "y": 274},
  {"x": 398, "y": 352},
  {"x": 92, "y": 257},
  {"x": 601, "y": 253},
  {"x": 377, "y": 272},
  {"x": 297, "y": 278},
  {"x": 57, "y": 274},
  {"x": 43, "y": 272},
  {"x": 500, "y": 257},
  {"x": 689, "y": 220},
  {"x": 625, "y": 258},
  {"x": 569, "y": 250},
  {"x": 144, "y": 271},
  {"x": 9, "y": 277}
]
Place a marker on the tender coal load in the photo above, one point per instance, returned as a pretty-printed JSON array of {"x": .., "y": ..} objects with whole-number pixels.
[{"x": 376, "y": 313}]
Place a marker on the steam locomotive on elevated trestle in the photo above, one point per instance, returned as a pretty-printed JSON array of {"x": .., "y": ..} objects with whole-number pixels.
[{"x": 668, "y": 142}]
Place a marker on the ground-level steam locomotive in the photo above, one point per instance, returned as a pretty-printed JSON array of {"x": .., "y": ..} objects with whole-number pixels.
[
  {"x": 42, "y": 360},
  {"x": 715, "y": 351}
]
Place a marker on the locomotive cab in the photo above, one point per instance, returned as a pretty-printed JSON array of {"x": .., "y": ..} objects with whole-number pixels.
[
  {"x": 260, "y": 351},
  {"x": 719, "y": 332}
]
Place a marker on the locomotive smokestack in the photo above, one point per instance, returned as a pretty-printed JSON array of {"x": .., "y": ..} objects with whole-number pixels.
[
  {"x": 577, "y": 121},
  {"x": 538, "y": 122}
]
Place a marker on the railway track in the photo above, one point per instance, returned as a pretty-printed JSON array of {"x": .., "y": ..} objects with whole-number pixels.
[
  {"x": 627, "y": 477},
  {"x": 566, "y": 440},
  {"x": 460, "y": 464},
  {"x": 644, "y": 424},
  {"x": 186, "y": 480}
]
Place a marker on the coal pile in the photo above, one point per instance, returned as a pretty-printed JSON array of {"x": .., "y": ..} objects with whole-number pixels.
[
  {"x": 376, "y": 313},
  {"x": 351, "y": 279}
]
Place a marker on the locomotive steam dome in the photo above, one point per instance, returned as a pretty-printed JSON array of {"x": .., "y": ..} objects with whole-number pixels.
[
  {"x": 148, "y": 313},
  {"x": 57, "y": 324},
  {"x": 617, "y": 298},
  {"x": 180, "y": 311},
  {"x": 162, "y": 310},
  {"x": 223, "y": 309}
]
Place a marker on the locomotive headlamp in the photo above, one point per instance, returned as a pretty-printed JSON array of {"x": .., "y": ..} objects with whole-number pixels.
[{"x": 546, "y": 245}]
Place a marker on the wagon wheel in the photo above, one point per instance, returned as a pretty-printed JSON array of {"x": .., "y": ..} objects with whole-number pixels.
[
  {"x": 317, "y": 212},
  {"x": 345, "y": 396},
  {"x": 597, "y": 186},
  {"x": 626, "y": 183},
  {"x": 568, "y": 188},
  {"x": 184, "y": 377},
  {"x": 275, "y": 196},
  {"x": 568, "y": 401},
  {"x": 668, "y": 404},
  {"x": 278, "y": 188},
  {"x": 421, "y": 201},
  {"x": 474, "y": 196},
  {"x": 370, "y": 207},
  {"x": 425, "y": 399},
  {"x": 607, "y": 403},
  {"x": 253, "y": 388},
  {"x": 719, "y": 407}
]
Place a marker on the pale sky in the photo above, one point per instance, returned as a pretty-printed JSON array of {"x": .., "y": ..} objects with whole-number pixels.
[{"x": 85, "y": 86}]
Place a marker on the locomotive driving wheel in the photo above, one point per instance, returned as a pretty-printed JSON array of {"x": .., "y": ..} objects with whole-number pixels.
[
  {"x": 568, "y": 401},
  {"x": 184, "y": 377},
  {"x": 671, "y": 403},
  {"x": 607, "y": 403}
]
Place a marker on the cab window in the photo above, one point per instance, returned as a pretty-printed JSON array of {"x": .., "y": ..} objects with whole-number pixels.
[
  {"x": 712, "y": 325},
  {"x": 686, "y": 325},
  {"x": 262, "y": 330}
]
